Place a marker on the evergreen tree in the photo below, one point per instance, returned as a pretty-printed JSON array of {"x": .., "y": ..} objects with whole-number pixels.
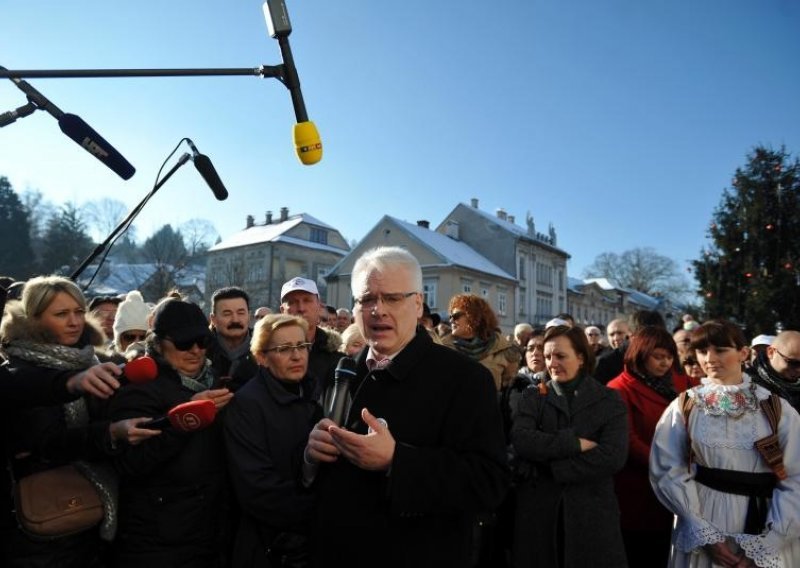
[
  {"x": 65, "y": 243},
  {"x": 16, "y": 254},
  {"x": 750, "y": 271},
  {"x": 164, "y": 248}
]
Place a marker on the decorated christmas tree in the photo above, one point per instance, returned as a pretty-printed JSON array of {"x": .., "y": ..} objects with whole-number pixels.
[{"x": 750, "y": 270}]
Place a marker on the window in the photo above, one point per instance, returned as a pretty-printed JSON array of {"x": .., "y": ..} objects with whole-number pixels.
[
  {"x": 521, "y": 301},
  {"x": 429, "y": 293},
  {"x": 544, "y": 274},
  {"x": 501, "y": 303},
  {"x": 485, "y": 292},
  {"x": 319, "y": 236},
  {"x": 521, "y": 271},
  {"x": 466, "y": 286}
]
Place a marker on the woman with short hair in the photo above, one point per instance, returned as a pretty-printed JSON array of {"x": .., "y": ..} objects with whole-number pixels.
[
  {"x": 266, "y": 429},
  {"x": 569, "y": 437},
  {"x": 476, "y": 334}
]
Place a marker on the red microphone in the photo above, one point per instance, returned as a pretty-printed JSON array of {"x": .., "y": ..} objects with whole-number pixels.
[
  {"x": 186, "y": 417},
  {"x": 140, "y": 370}
]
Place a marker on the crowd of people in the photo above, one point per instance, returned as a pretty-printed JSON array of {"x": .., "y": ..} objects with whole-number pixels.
[{"x": 302, "y": 435}]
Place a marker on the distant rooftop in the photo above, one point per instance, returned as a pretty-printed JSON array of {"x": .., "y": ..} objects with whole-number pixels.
[{"x": 274, "y": 232}]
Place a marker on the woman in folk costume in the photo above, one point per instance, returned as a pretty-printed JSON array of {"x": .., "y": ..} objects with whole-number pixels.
[{"x": 726, "y": 460}]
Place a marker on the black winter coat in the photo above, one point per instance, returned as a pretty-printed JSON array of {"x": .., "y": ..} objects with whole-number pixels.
[
  {"x": 266, "y": 430},
  {"x": 172, "y": 486},
  {"x": 565, "y": 493},
  {"x": 449, "y": 464}
]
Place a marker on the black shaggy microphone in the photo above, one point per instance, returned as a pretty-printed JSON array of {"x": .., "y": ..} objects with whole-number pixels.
[
  {"x": 206, "y": 169},
  {"x": 345, "y": 371}
]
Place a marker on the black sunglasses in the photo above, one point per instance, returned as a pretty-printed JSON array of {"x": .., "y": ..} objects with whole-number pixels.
[
  {"x": 687, "y": 362},
  {"x": 130, "y": 337},
  {"x": 202, "y": 341},
  {"x": 790, "y": 362}
]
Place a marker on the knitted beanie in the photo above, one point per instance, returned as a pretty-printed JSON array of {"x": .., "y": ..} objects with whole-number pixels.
[{"x": 131, "y": 314}]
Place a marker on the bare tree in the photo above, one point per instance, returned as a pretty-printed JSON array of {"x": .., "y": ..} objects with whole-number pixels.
[
  {"x": 198, "y": 235},
  {"x": 103, "y": 216},
  {"x": 641, "y": 269}
]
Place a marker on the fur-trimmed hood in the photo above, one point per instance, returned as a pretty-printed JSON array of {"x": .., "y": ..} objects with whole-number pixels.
[
  {"x": 17, "y": 326},
  {"x": 333, "y": 339}
]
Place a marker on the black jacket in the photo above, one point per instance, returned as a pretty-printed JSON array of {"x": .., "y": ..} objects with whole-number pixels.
[
  {"x": 172, "y": 486},
  {"x": 266, "y": 429},
  {"x": 323, "y": 359},
  {"x": 448, "y": 465},
  {"x": 240, "y": 371},
  {"x": 566, "y": 491},
  {"x": 610, "y": 364}
]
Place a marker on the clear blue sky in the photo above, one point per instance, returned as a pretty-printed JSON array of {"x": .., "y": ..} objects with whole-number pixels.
[{"x": 620, "y": 121}]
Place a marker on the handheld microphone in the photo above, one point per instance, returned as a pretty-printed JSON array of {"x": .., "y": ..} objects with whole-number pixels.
[
  {"x": 203, "y": 165},
  {"x": 74, "y": 127},
  {"x": 307, "y": 143},
  {"x": 189, "y": 416},
  {"x": 344, "y": 373},
  {"x": 140, "y": 370}
]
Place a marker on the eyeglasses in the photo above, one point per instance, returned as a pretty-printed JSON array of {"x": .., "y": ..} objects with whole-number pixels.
[
  {"x": 793, "y": 363},
  {"x": 456, "y": 316},
  {"x": 201, "y": 341},
  {"x": 391, "y": 300},
  {"x": 130, "y": 337},
  {"x": 689, "y": 362},
  {"x": 288, "y": 348}
]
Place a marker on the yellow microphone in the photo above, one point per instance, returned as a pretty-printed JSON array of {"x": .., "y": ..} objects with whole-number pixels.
[{"x": 307, "y": 143}]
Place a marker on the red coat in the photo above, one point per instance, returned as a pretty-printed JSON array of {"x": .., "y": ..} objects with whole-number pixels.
[{"x": 639, "y": 508}]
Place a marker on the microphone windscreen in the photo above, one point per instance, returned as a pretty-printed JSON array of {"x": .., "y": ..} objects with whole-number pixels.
[
  {"x": 193, "y": 415},
  {"x": 75, "y": 127},
  {"x": 307, "y": 143},
  {"x": 345, "y": 366},
  {"x": 141, "y": 370},
  {"x": 209, "y": 173}
]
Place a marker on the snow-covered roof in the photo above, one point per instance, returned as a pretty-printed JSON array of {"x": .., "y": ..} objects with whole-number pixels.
[
  {"x": 455, "y": 253},
  {"x": 270, "y": 233}
]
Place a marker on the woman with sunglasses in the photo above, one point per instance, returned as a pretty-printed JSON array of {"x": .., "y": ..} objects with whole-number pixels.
[
  {"x": 266, "y": 430},
  {"x": 173, "y": 489},
  {"x": 476, "y": 334},
  {"x": 49, "y": 330},
  {"x": 735, "y": 506},
  {"x": 650, "y": 380},
  {"x": 130, "y": 325}
]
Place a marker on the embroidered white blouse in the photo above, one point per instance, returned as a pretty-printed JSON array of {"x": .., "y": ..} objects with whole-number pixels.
[{"x": 725, "y": 423}]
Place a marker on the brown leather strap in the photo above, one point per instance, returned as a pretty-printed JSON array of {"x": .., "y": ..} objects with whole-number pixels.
[
  {"x": 687, "y": 403},
  {"x": 772, "y": 410}
]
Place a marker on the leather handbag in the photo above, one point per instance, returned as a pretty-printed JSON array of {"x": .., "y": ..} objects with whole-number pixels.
[{"x": 57, "y": 502}]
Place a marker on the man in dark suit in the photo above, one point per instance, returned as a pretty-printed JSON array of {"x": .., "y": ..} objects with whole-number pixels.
[{"x": 420, "y": 450}]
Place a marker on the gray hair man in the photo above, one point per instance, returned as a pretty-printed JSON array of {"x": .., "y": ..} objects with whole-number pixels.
[{"x": 419, "y": 449}]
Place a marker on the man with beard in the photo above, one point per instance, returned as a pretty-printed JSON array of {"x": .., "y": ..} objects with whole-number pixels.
[
  {"x": 230, "y": 351},
  {"x": 778, "y": 369}
]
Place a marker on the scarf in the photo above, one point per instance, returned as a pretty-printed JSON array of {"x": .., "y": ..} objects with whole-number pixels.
[
  {"x": 661, "y": 385},
  {"x": 568, "y": 389},
  {"x": 233, "y": 354},
  {"x": 475, "y": 348},
  {"x": 76, "y": 415},
  {"x": 200, "y": 382},
  {"x": 769, "y": 379}
]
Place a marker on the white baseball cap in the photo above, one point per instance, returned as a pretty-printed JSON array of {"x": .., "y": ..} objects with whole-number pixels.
[
  {"x": 554, "y": 322},
  {"x": 301, "y": 284},
  {"x": 762, "y": 340}
]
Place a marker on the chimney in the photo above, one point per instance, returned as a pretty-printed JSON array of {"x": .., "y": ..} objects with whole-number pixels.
[
  {"x": 511, "y": 219},
  {"x": 250, "y": 221},
  {"x": 501, "y": 214},
  {"x": 284, "y": 214},
  {"x": 474, "y": 202},
  {"x": 424, "y": 224},
  {"x": 269, "y": 218}
]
